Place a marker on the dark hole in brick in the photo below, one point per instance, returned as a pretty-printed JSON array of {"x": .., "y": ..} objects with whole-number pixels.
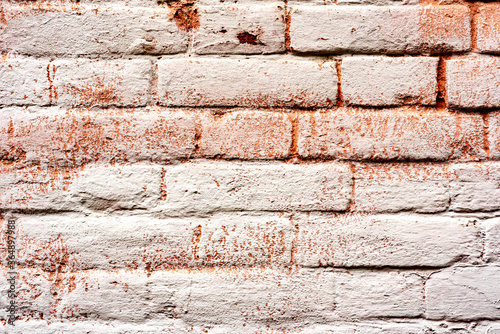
[{"x": 248, "y": 38}]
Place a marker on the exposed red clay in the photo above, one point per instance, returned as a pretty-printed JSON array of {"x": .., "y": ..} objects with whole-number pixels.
[
  {"x": 184, "y": 13},
  {"x": 247, "y": 38}
]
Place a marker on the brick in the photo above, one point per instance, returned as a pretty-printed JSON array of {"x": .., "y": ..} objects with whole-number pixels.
[
  {"x": 102, "y": 83},
  {"x": 73, "y": 138},
  {"x": 253, "y": 82},
  {"x": 488, "y": 27},
  {"x": 246, "y": 135},
  {"x": 126, "y": 296},
  {"x": 390, "y": 134},
  {"x": 385, "y": 240},
  {"x": 267, "y": 297},
  {"x": 241, "y": 29},
  {"x": 473, "y": 82},
  {"x": 493, "y": 134},
  {"x": 371, "y": 294},
  {"x": 463, "y": 293},
  {"x": 212, "y": 187},
  {"x": 24, "y": 82},
  {"x": 98, "y": 188},
  {"x": 75, "y": 29},
  {"x": 476, "y": 187},
  {"x": 386, "y": 81},
  {"x": 372, "y": 29},
  {"x": 491, "y": 231},
  {"x": 74, "y": 242},
  {"x": 398, "y": 187}
]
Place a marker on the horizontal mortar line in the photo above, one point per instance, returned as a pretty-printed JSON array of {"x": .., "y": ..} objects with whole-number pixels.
[
  {"x": 159, "y": 215},
  {"x": 290, "y": 270},
  {"x": 154, "y": 108},
  {"x": 234, "y": 56},
  {"x": 369, "y": 322}
]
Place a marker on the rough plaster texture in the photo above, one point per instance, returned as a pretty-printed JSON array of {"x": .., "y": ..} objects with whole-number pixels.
[{"x": 250, "y": 166}]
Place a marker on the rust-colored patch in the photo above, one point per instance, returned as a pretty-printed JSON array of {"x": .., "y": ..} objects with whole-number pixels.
[
  {"x": 287, "y": 18},
  {"x": 100, "y": 92},
  {"x": 340, "y": 97},
  {"x": 474, "y": 15},
  {"x": 438, "y": 24},
  {"x": 184, "y": 13},
  {"x": 56, "y": 263},
  {"x": 442, "y": 96}
]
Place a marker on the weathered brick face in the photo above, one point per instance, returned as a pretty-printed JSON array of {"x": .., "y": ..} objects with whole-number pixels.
[{"x": 250, "y": 166}]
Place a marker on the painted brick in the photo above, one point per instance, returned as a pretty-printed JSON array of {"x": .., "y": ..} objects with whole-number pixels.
[
  {"x": 152, "y": 244},
  {"x": 390, "y": 134},
  {"x": 493, "y": 135},
  {"x": 102, "y": 83},
  {"x": 266, "y": 297},
  {"x": 488, "y": 27},
  {"x": 24, "y": 82},
  {"x": 73, "y": 138},
  {"x": 463, "y": 293},
  {"x": 241, "y": 29},
  {"x": 99, "y": 188},
  {"x": 73, "y": 29},
  {"x": 473, "y": 82},
  {"x": 476, "y": 187},
  {"x": 246, "y": 134},
  {"x": 385, "y": 240},
  {"x": 387, "y": 81},
  {"x": 212, "y": 187},
  {"x": 255, "y": 81},
  {"x": 377, "y": 29},
  {"x": 366, "y": 294},
  {"x": 398, "y": 187},
  {"x": 491, "y": 231}
]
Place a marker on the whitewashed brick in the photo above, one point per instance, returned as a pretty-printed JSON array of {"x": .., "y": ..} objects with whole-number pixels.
[
  {"x": 210, "y": 187},
  {"x": 103, "y": 83},
  {"x": 246, "y": 134},
  {"x": 488, "y": 27},
  {"x": 75, "y": 242},
  {"x": 375, "y": 29},
  {"x": 366, "y": 294},
  {"x": 66, "y": 137},
  {"x": 75, "y": 29},
  {"x": 400, "y": 187},
  {"x": 99, "y": 188},
  {"x": 491, "y": 231},
  {"x": 266, "y": 297},
  {"x": 464, "y": 293},
  {"x": 24, "y": 82},
  {"x": 254, "y": 81},
  {"x": 390, "y": 134},
  {"x": 241, "y": 29},
  {"x": 387, "y": 81},
  {"x": 473, "y": 82},
  {"x": 385, "y": 240},
  {"x": 494, "y": 134},
  {"x": 476, "y": 187}
]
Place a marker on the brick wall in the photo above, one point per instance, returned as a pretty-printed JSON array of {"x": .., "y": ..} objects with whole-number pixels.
[{"x": 251, "y": 166}]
